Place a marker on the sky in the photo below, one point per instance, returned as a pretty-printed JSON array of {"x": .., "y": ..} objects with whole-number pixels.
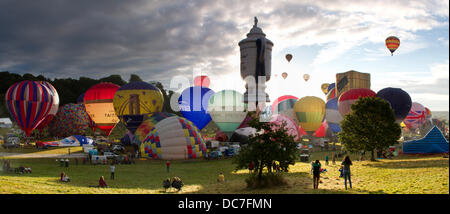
[{"x": 159, "y": 40}]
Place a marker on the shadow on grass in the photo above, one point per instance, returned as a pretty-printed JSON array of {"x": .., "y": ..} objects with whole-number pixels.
[{"x": 410, "y": 164}]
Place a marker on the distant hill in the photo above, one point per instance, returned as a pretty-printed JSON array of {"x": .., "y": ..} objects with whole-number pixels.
[{"x": 440, "y": 115}]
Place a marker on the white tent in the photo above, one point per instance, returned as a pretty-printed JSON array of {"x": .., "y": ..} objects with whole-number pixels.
[{"x": 5, "y": 123}]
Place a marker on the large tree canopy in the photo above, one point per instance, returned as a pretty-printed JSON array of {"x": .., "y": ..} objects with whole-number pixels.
[{"x": 370, "y": 125}]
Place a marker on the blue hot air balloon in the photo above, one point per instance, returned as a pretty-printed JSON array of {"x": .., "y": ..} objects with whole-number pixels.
[
  {"x": 193, "y": 104},
  {"x": 332, "y": 115},
  {"x": 400, "y": 101}
]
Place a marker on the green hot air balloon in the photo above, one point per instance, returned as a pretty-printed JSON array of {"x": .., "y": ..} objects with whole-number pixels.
[{"x": 227, "y": 110}]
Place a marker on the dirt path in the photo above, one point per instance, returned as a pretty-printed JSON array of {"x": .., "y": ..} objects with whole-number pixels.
[{"x": 33, "y": 155}]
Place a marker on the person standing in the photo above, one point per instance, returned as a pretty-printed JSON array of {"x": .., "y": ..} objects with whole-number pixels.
[
  {"x": 316, "y": 173},
  {"x": 333, "y": 160},
  {"x": 113, "y": 168},
  {"x": 168, "y": 166},
  {"x": 326, "y": 160},
  {"x": 346, "y": 170},
  {"x": 67, "y": 162}
]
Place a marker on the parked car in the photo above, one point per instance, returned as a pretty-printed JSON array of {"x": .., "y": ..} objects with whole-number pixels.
[
  {"x": 110, "y": 155},
  {"x": 117, "y": 148},
  {"x": 305, "y": 155}
]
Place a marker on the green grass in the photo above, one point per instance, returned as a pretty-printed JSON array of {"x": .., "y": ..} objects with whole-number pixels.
[{"x": 402, "y": 175}]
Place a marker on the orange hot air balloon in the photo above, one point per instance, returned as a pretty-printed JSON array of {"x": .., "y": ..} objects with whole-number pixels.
[
  {"x": 284, "y": 74},
  {"x": 392, "y": 44},
  {"x": 306, "y": 77},
  {"x": 288, "y": 57}
]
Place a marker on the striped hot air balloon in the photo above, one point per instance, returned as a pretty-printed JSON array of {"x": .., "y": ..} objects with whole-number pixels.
[
  {"x": 28, "y": 102},
  {"x": 392, "y": 44},
  {"x": 53, "y": 110},
  {"x": 416, "y": 116},
  {"x": 332, "y": 115},
  {"x": 292, "y": 128},
  {"x": 331, "y": 91},
  {"x": 167, "y": 136},
  {"x": 284, "y": 105},
  {"x": 348, "y": 98}
]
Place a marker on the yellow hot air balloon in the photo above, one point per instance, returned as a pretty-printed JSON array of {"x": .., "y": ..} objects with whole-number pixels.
[
  {"x": 135, "y": 102},
  {"x": 309, "y": 112},
  {"x": 324, "y": 88}
]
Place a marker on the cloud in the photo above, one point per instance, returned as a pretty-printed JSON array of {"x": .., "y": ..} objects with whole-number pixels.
[{"x": 161, "y": 39}]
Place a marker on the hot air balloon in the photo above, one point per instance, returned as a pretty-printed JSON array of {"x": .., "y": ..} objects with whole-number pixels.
[
  {"x": 98, "y": 101},
  {"x": 309, "y": 111},
  {"x": 392, "y": 44},
  {"x": 331, "y": 91},
  {"x": 399, "y": 100},
  {"x": 71, "y": 119},
  {"x": 53, "y": 109},
  {"x": 291, "y": 126},
  {"x": 227, "y": 110},
  {"x": 324, "y": 88},
  {"x": 322, "y": 130},
  {"x": 284, "y": 75},
  {"x": 348, "y": 98},
  {"x": 428, "y": 116},
  {"x": 135, "y": 102},
  {"x": 415, "y": 117},
  {"x": 306, "y": 77},
  {"x": 80, "y": 99},
  {"x": 170, "y": 137},
  {"x": 193, "y": 104},
  {"x": 288, "y": 57},
  {"x": 332, "y": 115},
  {"x": 201, "y": 81},
  {"x": 28, "y": 102},
  {"x": 284, "y": 105}
]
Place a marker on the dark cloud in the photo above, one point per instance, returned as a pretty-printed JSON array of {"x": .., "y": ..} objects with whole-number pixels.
[{"x": 102, "y": 37}]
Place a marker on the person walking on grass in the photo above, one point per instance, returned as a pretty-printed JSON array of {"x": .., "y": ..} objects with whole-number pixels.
[
  {"x": 346, "y": 163},
  {"x": 113, "y": 168},
  {"x": 316, "y": 173}
]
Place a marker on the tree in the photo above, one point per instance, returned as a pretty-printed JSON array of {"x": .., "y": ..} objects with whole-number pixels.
[
  {"x": 371, "y": 125},
  {"x": 266, "y": 147},
  {"x": 135, "y": 78}
]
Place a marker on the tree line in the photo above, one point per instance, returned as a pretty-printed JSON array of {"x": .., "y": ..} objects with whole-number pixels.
[{"x": 70, "y": 89}]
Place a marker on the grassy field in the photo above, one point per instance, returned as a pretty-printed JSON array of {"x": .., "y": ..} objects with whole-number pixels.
[{"x": 402, "y": 175}]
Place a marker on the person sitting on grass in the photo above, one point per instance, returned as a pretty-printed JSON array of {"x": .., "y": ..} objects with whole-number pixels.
[
  {"x": 166, "y": 184},
  {"x": 102, "y": 183},
  {"x": 27, "y": 169},
  {"x": 64, "y": 177},
  {"x": 177, "y": 183},
  {"x": 221, "y": 178}
]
